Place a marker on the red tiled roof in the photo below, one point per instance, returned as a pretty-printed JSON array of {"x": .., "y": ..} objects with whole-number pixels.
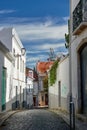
[{"x": 42, "y": 67}]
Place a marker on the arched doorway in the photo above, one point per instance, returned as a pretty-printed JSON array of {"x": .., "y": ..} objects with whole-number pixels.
[{"x": 83, "y": 68}]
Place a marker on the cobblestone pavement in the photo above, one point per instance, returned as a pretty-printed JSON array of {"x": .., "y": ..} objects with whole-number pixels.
[{"x": 36, "y": 119}]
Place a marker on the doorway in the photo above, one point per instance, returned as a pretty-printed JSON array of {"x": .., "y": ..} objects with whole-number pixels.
[
  {"x": 83, "y": 64},
  {"x": 34, "y": 101},
  {"x": 4, "y": 70},
  {"x": 59, "y": 93},
  {"x": 46, "y": 99}
]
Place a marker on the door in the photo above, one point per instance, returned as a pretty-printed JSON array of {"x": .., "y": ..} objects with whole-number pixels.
[
  {"x": 83, "y": 60},
  {"x": 59, "y": 93},
  {"x": 34, "y": 101},
  {"x": 3, "y": 100},
  {"x": 46, "y": 99}
]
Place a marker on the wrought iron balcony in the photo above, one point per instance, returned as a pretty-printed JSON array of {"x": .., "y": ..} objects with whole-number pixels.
[{"x": 80, "y": 17}]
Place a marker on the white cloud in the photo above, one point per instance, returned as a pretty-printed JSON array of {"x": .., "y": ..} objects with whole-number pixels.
[
  {"x": 66, "y": 18},
  {"x": 36, "y": 32},
  {"x": 48, "y": 46},
  {"x": 35, "y": 59},
  {"x": 32, "y": 59},
  {"x": 43, "y": 48},
  {"x": 34, "y": 51},
  {"x": 6, "y": 11}
]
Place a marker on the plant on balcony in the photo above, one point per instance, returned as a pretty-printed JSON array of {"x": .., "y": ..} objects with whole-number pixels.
[
  {"x": 53, "y": 73},
  {"x": 67, "y": 36}
]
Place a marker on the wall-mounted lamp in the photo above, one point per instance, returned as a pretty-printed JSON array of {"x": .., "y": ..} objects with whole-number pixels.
[{"x": 22, "y": 52}]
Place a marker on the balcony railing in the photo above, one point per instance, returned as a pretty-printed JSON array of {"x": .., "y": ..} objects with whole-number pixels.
[{"x": 80, "y": 17}]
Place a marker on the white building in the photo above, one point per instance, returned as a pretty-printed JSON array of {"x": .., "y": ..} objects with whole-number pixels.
[
  {"x": 78, "y": 26},
  {"x": 29, "y": 84},
  {"x": 6, "y": 60},
  {"x": 15, "y": 70},
  {"x": 42, "y": 68},
  {"x": 35, "y": 92},
  {"x": 59, "y": 91}
]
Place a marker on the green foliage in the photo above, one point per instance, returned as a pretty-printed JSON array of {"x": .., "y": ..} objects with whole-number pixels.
[
  {"x": 53, "y": 73},
  {"x": 67, "y": 36},
  {"x": 67, "y": 40},
  {"x": 45, "y": 83}
]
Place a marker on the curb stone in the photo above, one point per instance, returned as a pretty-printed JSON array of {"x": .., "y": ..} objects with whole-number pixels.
[
  {"x": 80, "y": 121},
  {"x": 6, "y": 115}
]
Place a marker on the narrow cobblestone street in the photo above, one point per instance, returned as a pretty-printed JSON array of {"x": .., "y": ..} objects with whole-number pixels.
[{"x": 38, "y": 119}]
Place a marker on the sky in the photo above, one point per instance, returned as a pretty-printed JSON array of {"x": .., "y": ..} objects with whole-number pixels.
[{"x": 40, "y": 25}]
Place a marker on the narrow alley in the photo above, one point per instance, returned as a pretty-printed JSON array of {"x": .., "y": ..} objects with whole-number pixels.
[{"x": 36, "y": 119}]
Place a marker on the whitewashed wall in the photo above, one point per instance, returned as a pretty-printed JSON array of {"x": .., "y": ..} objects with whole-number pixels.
[
  {"x": 35, "y": 88},
  {"x": 6, "y": 37},
  {"x": 29, "y": 91},
  {"x": 7, "y": 63},
  {"x": 63, "y": 77},
  {"x": 1, "y": 64},
  {"x": 11, "y": 40}
]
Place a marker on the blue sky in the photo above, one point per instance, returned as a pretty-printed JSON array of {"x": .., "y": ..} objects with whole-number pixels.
[{"x": 40, "y": 24}]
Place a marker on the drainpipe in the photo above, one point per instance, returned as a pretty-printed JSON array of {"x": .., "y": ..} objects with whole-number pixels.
[
  {"x": 16, "y": 96},
  {"x": 70, "y": 64},
  {"x": 70, "y": 67},
  {"x": 71, "y": 104}
]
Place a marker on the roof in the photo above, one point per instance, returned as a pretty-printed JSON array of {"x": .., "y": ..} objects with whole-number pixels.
[
  {"x": 3, "y": 47},
  {"x": 6, "y": 51},
  {"x": 42, "y": 67},
  {"x": 6, "y": 35},
  {"x": 31, "y": 73}
]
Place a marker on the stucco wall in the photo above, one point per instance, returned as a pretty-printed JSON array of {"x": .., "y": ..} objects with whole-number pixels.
[
  {"x": 63, "y": 77},
  {"x": 6, "y": 37},
  {"x": 76, "y": 42},
  {"x": 75, "y": 46},
  {"x": 15, "y": 76},
  {"x": 5, "y": 62},
  {"x": 1, "y": 64}
]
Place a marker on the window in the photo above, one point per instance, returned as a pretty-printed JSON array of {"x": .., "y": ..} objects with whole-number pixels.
[
  {"x": 17, "y": 62},
  {"x": 59, "y": 93},
  {"x": 3, "y": 98},
  {"x": 23, "y": 67},
  {"x": 83, "y": 60},
  {"x": 20, "y": 64},
  {"x": 14, "y": 55}
]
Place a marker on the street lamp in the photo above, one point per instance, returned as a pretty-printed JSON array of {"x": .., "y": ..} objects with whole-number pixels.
[{"x": 23, "y": 50}]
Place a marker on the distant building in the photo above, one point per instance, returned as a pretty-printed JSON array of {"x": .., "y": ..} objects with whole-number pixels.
[
  {"x": 42, "y": 68},
  {"x": 13, "y": 84},
  {"x": 35, "y": 89},
  {"x": 29, "y": 84},
  {"x": 32, "y": 87}
]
